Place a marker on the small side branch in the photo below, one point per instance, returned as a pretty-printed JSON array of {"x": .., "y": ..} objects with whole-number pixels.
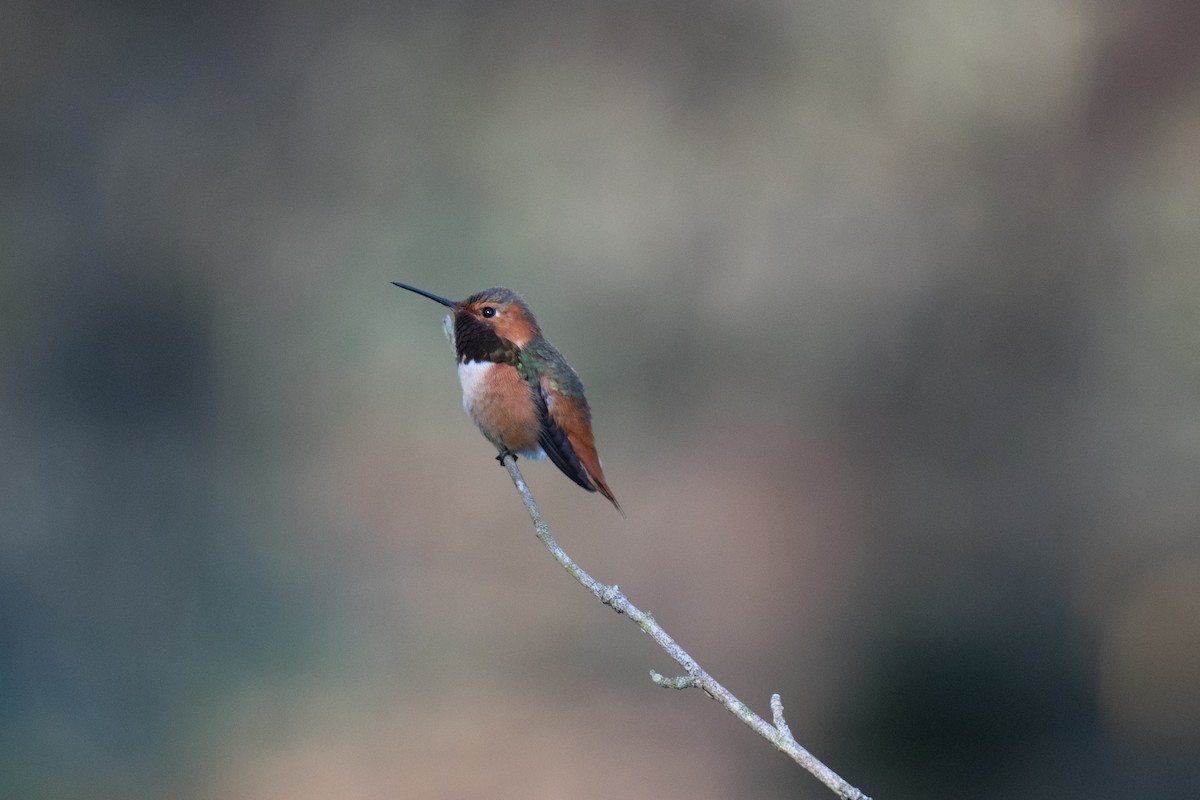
[
  {"x": 695, "y": 677},
  {"x": 777, "y": 716}
]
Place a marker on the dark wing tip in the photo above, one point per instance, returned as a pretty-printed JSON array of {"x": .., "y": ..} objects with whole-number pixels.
[{"x": 554, "y": 441}]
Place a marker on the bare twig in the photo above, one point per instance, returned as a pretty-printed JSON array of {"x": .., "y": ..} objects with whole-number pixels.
[{"x": 695, "y": 677}]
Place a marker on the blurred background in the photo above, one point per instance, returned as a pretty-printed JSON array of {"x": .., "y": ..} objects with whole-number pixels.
[{"x": 888, "y": 314}]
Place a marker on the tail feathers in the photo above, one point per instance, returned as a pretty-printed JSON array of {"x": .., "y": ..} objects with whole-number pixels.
[
  {"x": 584, "y": 450},
  {"x": 602, "y": 486}
]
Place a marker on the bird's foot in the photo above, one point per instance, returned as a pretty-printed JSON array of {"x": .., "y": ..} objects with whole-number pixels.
[{"x": 505, "y": 454}]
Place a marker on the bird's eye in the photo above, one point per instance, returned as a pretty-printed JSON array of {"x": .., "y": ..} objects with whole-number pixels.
[{"x": 488, "y": 312}]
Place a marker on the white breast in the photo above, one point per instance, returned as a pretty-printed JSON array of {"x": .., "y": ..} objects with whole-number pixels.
[{"x": 471, "y": 375}]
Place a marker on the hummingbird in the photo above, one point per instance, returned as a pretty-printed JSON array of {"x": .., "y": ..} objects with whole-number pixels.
[{"x": 518, "y": 389}]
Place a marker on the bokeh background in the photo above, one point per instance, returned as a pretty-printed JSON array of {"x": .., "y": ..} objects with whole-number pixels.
[{"x": 889, "y": 315}]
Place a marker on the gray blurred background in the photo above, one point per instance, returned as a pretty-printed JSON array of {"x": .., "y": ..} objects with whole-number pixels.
[{"x": 888, "y": 313}]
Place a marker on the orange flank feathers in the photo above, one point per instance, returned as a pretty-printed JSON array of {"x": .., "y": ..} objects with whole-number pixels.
[{"x": 575, "y": 420}]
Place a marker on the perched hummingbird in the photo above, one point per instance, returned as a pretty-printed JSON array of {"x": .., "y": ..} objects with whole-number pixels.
[{"x": 517, "y": 387}]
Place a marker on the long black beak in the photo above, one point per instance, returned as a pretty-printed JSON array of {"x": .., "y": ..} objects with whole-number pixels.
[{"x": 430, "y": 295}]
